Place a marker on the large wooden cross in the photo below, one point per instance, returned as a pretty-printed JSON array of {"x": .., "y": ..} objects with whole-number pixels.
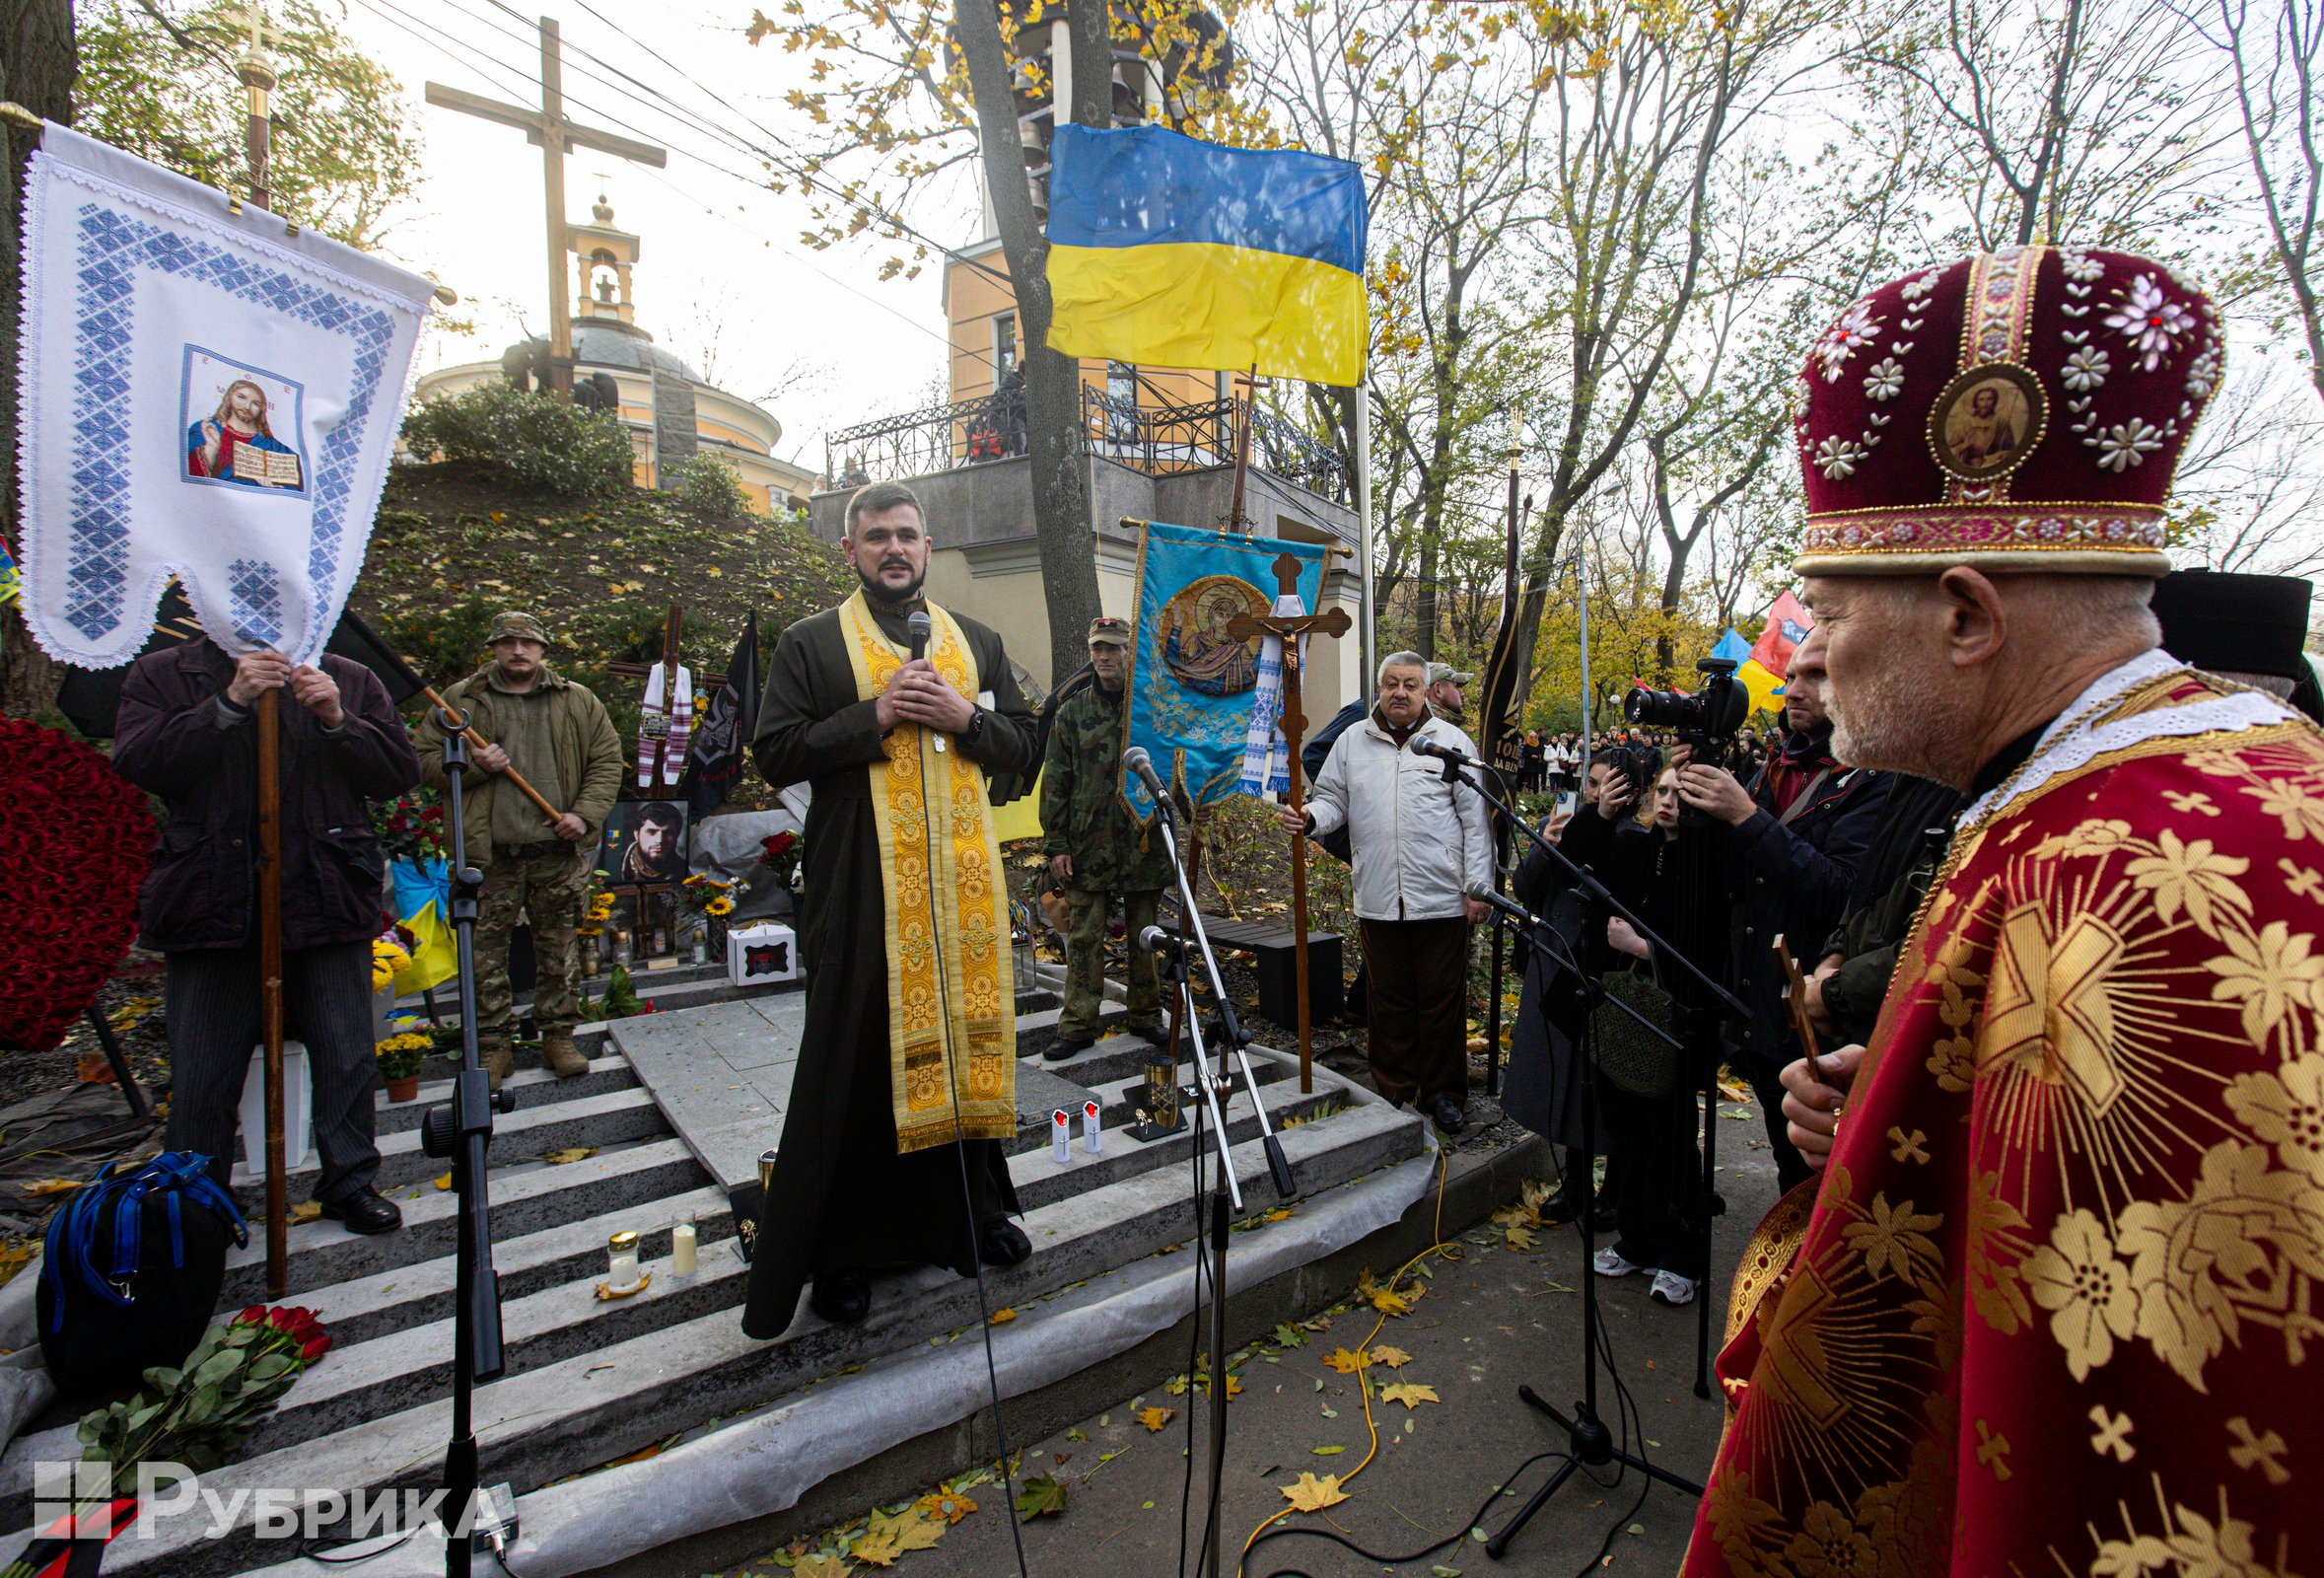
[
  {"x": 556, "y": 136},
  {"x": 1293, "y": 724}
]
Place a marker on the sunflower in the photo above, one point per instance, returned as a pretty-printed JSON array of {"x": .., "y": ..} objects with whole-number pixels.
[{"x": 721, "y": 905}]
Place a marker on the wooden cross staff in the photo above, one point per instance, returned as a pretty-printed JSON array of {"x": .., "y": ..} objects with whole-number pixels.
[{"x": 1243, "y": 626}]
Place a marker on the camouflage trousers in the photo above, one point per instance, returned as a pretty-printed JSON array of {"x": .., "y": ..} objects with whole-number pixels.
[
  {"x": 547, "y": 891},
  {"x": 1085, "y": 960}
]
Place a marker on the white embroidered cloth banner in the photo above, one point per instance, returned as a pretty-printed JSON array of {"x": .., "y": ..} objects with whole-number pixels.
[
  {"x": 202, "y": 394},
  {"x": 1266, "y": 754}
]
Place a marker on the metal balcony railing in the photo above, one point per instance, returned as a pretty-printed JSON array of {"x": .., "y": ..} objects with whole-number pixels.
[{"x": 1159, "y": 440}]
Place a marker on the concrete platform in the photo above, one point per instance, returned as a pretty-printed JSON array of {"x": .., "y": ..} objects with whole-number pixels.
[{"x": 677, "y": 1106}]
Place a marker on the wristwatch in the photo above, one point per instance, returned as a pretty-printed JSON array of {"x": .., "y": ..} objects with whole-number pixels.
[{"x": 975, "y": 730}]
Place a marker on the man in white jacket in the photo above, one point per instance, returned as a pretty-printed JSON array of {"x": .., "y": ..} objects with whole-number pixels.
[{"x": 1418, "y": 843}]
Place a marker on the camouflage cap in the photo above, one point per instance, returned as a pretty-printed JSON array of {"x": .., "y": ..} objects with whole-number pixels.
[
  {"x": 518, "y": 626},
  {"x": 1109, "y": 631},
  {"x": 1446, "y": 671}
]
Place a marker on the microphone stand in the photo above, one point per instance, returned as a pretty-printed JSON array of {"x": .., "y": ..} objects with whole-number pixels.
[
  {"x": 1226, "y": 1197},
  {"x": 1588, "y": 1441},
  {"x": 460, "y": 1128}
]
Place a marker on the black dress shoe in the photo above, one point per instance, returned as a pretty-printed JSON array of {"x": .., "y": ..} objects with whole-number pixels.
[
  {"x": 1447, "y": 1110},
  {"x": 363, "y": 1212},
  {"x": 841, "y": 1296},
  {"x": 1003, "y": 1243},
  {"x": 1065, "y": 1046}
]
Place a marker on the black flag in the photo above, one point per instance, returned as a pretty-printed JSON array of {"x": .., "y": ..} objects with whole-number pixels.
[{"x": 722, "y": 740}]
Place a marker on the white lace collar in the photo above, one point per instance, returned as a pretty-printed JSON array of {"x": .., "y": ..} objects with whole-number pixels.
[{"x": 2075, "y": 740}]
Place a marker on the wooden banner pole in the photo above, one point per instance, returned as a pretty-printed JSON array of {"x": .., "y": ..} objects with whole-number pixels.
[
  {"x": 1295, "y": 725},
  {"x": 477, "y": 742},
  {"x": 269, "y": 723}
]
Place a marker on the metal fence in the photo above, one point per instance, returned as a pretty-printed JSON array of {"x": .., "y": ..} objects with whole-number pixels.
[{"x": 1159, "y": 440}]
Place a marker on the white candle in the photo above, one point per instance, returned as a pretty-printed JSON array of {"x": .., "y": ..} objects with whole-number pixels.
[
  {"x": 681, "y": 1249},
  {"x": 621, "y": 1253}
]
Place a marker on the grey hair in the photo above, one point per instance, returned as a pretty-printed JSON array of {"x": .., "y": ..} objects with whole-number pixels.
[{"x": 1400, "y": 660}]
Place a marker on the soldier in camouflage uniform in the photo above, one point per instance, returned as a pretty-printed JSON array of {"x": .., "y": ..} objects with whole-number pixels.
[
  {"x": 1096, "y": 850},
  {"x": 556, "y": 733}
]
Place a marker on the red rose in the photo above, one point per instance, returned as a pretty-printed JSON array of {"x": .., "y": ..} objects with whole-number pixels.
[
  {"x": 256, "y": 1315},
  {"x": 315, "y": 1348},
  {"x": 280, "y": 1317}
]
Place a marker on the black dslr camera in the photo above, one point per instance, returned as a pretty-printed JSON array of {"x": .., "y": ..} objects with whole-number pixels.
[{"x": 1705, "y": 721}]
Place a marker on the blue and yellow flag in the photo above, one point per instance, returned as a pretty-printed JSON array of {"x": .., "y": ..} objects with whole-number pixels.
[
  {"x": 423, "y": 905},
  {"x": 1193, "y": 684},
  {"x": 1175, "y": 253}
]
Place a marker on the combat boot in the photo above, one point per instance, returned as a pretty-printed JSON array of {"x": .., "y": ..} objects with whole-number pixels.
[
  {"x": 498, "y": 1056},
  {"x": 563, "y": 1058}
]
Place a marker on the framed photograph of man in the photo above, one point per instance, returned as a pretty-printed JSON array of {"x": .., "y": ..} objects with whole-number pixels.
[
  {"x": 644, "y": 841},
  {"x": 1987, "y": 421}
]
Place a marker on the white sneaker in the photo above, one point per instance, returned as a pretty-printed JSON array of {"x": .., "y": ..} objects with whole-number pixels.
[
  {"x": 1608, "y": 1262},
  {"x": 1671, "y": 1288}
]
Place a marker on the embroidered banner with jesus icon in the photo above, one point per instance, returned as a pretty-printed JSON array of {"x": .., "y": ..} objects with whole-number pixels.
[{"x": 204, "y": 395}]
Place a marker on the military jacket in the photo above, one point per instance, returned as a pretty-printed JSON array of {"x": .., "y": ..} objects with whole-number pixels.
[{"x": 1083, "y": 812}]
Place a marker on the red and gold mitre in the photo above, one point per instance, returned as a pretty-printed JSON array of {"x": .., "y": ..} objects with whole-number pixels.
[{"x": 2019, "y": 410}]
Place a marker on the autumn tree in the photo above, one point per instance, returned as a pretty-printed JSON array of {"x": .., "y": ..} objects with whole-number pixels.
[
  {"x": 342, "y": 154},
  {"x": 899, "y": 92},
  {"x": 36, "y": 65}
]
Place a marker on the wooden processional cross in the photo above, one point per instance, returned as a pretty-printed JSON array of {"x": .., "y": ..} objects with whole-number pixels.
[
  {"x": 556, "y": 137},
  {"x": 1293, "y": 724}
]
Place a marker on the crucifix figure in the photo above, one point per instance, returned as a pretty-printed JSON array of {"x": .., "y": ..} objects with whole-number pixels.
[
  {"x": 1293, "y": 724},
  {"x": 556, "y": 137}
]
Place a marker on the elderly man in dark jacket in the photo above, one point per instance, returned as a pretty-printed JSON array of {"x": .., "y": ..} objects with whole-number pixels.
[
  {"x": 1800, "y": 828},
  {"x": 185, "y": 734}
]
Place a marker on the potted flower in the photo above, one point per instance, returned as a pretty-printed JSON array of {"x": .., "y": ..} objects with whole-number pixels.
[
  {"x": 711, "y": 899},
  {"x": 399, "y": 1059},
  {"x": 595, "y": 915}
]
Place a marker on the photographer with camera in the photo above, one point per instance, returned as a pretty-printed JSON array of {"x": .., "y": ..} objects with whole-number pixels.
[{"x": 1800, "y": 828}]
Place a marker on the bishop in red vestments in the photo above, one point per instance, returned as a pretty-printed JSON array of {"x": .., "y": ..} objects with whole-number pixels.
[{"x": 2053, "y": 1305}]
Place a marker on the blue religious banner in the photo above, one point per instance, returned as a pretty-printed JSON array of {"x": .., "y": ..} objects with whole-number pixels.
[
  {"x": 1203, "y": 700},
  {"x": 207, "y": 393}
]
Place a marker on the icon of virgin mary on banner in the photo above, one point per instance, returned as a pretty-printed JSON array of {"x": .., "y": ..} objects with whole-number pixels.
[
  {"x": 248, "y": 462},
  {"x": 1195, "y": 687}
]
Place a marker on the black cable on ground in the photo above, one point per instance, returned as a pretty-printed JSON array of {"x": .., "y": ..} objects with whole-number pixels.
[{"x": 1385, "y": 1559}]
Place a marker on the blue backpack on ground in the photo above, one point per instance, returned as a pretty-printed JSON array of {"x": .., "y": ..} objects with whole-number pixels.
[{"x": 134, "y": 1265}]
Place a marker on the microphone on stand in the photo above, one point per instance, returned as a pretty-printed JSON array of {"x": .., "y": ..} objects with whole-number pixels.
[
  {"x": 921, "y": 626},
  {"x": 1160, "y": 943},
  {"x": 1509, "y": 907},
  {"x": 1443, "y": 753},
  {"x": 1137, "y": 759}
]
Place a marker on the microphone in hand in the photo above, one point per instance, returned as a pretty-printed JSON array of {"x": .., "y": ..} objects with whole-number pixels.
[{"x": 921, "y": 627}]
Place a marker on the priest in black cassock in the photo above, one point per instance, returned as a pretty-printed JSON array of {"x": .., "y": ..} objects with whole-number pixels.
[{"x": 894, "y": 1139}]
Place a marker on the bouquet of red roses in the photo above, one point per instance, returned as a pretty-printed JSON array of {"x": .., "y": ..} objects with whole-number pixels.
[
  {"x": 198, "y": 1413},
  {"x": 780, "y": 853},
  {"x": 411, "y": 826}
]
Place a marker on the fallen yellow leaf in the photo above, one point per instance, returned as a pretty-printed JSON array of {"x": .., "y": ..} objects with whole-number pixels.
[
  {"x": 949, "y": 1506},
  {"x": 571, "y": 1153},
  {"x": 306, "y": 1211},
  {"x": 1522, "y": 1239},
  {"x": 1344, "y": 1362},
  {"x": 1412, "y": 1397},
  {"x": 1393, "y": 1358},
  {"x": 1313, "y": 1494},
  {"x": 1157, "y": 1418},
  {"x": 444, "y": 1182},
  {"x": 822, "y": 1565},
  {"x": 1002, "y": 1316},
  {"x": 52, "y": 1185}
]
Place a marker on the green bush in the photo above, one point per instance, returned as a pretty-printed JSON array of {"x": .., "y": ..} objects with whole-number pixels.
[
  {"x": 710, "y": 483},
  {"x": 537, "y": 439}
]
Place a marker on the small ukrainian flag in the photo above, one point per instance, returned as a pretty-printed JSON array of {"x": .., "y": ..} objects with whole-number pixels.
[{"x": 1175, "y": 253}]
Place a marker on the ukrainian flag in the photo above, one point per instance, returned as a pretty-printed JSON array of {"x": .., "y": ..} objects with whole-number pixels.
[
  {"x": 1175, "y": 253},
  {"x": 423, "y": 905}
]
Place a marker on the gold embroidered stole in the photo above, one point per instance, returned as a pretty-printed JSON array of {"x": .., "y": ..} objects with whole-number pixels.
[{"x": 951, "y": 1017}]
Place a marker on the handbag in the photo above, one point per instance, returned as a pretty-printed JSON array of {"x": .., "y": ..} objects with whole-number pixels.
[
  {"x": 131, "y": 1271},
  {"x": 1627, "y": 1056}
]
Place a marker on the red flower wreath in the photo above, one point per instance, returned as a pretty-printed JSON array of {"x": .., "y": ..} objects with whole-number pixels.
[{"x": 75, "y": 841}]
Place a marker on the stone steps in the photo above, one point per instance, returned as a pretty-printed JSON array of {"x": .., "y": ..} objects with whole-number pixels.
[
  {"x": 588, "y": 1381},
  {"x": 677, "y": 1355}
]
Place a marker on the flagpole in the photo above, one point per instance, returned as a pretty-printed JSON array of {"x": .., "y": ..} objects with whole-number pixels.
[{"x": 1364, "y": 537}]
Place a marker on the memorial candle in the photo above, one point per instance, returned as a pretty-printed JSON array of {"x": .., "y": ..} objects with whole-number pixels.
[
  {"x": 681, "y": 1249},
  {"x": 621, "y": 1251}
]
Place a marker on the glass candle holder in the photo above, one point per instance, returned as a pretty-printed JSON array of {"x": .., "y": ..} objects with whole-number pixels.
[
  {"x": 621, "y": 1255},
  {"x": 682, "y": 1250}
]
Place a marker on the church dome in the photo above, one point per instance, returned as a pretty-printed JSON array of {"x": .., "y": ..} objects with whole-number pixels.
[{"x": 611, "y": 343}]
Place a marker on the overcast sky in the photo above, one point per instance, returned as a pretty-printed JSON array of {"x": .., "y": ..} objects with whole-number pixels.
[{"x": 722, "y": 278}]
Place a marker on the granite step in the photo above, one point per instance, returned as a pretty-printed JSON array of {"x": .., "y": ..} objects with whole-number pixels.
[
  {"x": 527, "y": 1134},
  {"x": 602, "y": 1399},
  {"x": 534, "y": 1084}
]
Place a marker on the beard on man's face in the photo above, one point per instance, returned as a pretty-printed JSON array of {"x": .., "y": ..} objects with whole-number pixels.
[
  {"x": 1906, "y": 715},
  {"x": 879, "y": 590}
]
